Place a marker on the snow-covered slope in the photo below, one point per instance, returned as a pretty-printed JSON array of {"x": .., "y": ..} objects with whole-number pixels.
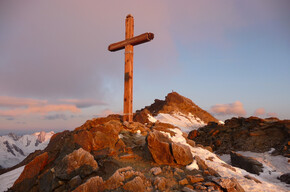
[
  {"x": 186, "y": 123},
  {"x": 8, "y": 179},
  {"x": 269, "y": 183},
  {"x": 13, "y": 148}
]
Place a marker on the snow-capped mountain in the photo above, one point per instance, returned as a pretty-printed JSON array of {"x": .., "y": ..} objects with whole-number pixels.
[{"x": 14, "y": 148}]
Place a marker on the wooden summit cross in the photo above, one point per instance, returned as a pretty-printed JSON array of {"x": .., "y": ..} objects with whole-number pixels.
[{"x": 128, "y": 44}]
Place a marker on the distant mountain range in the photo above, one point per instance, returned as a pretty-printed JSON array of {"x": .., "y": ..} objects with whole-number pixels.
[{"x": 14, "y": 148}]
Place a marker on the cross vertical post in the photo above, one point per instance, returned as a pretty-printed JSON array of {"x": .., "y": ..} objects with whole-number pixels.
[
  {"x": 128, "y": 83},
  {"x": 128, "y": 44}
]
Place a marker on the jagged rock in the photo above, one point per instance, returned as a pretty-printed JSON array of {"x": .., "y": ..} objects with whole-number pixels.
[
  {"x": 183, "y": 182},
  {"x": 160, "y": 183},
  {"x": 228, "y": 184},
  {"x": 247, "y": 163},
  {"x": 79, "y": 162},
  {"x": 182, "y": 154},
  {"x": 136, "y": 184},
  {"x": 159, "y": 147},
  {"x": 93, "y": 184},
  {"x": 285, "y": 178},
  {"x": 155, "y": 170},
  {"x": 194, "y": 179},
  {"x": 28, "y": 176}
]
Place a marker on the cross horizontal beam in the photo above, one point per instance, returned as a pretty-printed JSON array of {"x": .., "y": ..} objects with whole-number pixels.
[{"x": 145, "y": 37}]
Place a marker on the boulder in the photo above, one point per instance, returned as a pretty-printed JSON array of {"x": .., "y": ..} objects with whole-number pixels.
[
  {"x": 182, "y": 154},
  {"x": 159, "y": 147},
  {"x": 247, "y": 163},
  {"x": 79, "y": 162},
  {"x": 155, "y": 170},
  {"x": 93, "y": 184},
  {"x": 135, "y": 185},
  {"x": 285, "y": 178}
]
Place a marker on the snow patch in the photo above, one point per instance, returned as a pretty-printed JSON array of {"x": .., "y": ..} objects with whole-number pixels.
[{"x": 186, "y": 123}]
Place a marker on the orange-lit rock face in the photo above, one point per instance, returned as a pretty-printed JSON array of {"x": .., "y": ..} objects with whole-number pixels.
[
  {"x": 159, "y": 146},
  {"x": 33, "y": 168},
  {"x": 99, "y": 137}
]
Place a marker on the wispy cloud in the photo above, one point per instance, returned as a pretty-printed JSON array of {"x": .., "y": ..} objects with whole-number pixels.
[
  {"x": 83, "y": 103},
  {"x": 42, "y": 110},
  {"x": 16, "y": 106},
  {"x": 235, "y": 108},
  {"x": 6, "y": 101},
  {"x": 55, "y": 116}
]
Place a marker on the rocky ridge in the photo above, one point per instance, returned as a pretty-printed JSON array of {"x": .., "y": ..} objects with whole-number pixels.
[{"x": 246, "y": 134}]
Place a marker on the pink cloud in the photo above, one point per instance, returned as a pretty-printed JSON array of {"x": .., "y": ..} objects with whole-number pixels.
[
  {"x": 259, "y": 112},
  {"x": 6, "y": 101},
  {"x": 235, "y": 108},
  {"x": 107, "y": 112},
  {"x": 44, "y": 109},
  {"x": 271, "y": 114}
]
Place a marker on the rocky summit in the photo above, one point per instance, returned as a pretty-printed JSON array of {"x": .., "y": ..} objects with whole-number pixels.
[
  {"x": 106, "y": 154},
  {"x": 173, "y": 103}
]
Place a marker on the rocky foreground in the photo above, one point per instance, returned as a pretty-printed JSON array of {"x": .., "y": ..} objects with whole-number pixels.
[{"x": 107, "y": 154}]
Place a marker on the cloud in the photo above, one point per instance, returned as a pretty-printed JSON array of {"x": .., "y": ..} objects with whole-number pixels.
[
  {"x": 83, "y": 103},
  {"x": 55, "y": 116},
  {"x": 42, "y": 110},
  {"x": 235, "y": 108},
  {"x": 271, "y": 114},
  {"x": 259, "y": 112},
  {"x": 6, "y": 101}
]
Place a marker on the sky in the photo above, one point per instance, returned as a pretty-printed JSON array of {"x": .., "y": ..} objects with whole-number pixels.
[{"x": 230, "y": 57}]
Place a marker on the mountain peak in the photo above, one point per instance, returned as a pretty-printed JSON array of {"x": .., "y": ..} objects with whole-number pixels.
[{"x": 175, "y": 108}]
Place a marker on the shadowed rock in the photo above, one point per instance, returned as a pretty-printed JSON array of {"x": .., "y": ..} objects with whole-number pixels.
[{"x": 247, "y": 163}]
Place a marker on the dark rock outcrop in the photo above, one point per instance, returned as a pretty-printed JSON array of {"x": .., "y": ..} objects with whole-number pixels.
[
  {"x": 285, "y": 178},
  {"x": 247, "y": 163},
  {"x": 245, "y": 134}
]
